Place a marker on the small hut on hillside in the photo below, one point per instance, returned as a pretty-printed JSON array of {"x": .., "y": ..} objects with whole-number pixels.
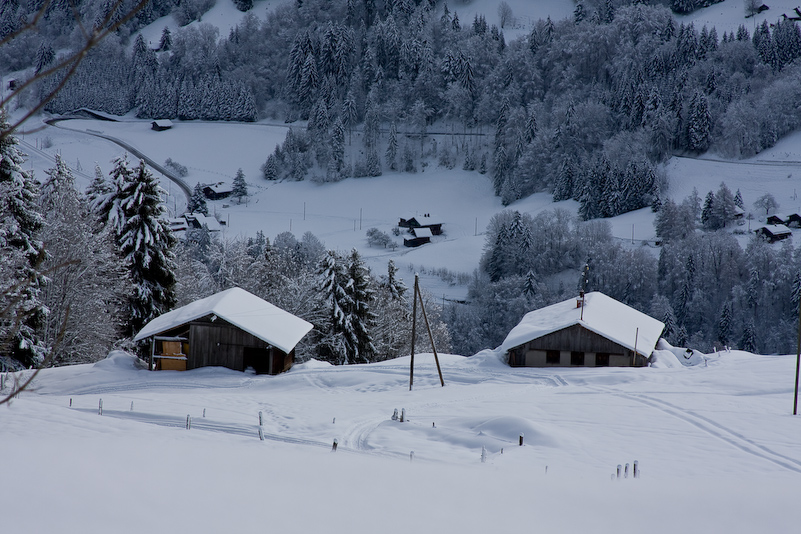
[
  {"x": 593, "y": 330},
  {"x": 774, "y": 232},
  {"x": 233, "y": 329}
]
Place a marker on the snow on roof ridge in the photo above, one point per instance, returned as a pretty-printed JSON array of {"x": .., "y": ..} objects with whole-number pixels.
[
  {"x": 616, "y": 321},
  {"x": 242, "y": 309}
]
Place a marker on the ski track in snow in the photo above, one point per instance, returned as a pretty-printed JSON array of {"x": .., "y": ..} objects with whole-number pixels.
[{"x": 713, "y": 428}]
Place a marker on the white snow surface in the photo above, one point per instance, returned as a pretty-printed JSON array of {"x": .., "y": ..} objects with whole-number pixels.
[
  {"x": 245, "y": 310},
  {"x": 716, "y": 446},
  {"x": 600, "y": 314}
]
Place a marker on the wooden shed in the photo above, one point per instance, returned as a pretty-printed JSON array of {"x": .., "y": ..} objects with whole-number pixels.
[
  {"x": 420, "y": 236},
  {"x": 233, "y": 329},
  {"x": 161, "y": 125},
  {"x": 593, "y": 330},
  {"x": 217, "y": 191},
  {"x": 774, "y": 232}
]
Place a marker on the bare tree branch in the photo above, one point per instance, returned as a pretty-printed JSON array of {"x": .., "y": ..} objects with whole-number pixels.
[{"x": 71, "y": 62}]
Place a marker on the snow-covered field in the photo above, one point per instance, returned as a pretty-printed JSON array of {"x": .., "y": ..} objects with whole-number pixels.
[{"x": 716, "y": 445}]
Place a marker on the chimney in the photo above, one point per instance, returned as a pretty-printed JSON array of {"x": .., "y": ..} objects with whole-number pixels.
[{"x": 580, "y": 299}]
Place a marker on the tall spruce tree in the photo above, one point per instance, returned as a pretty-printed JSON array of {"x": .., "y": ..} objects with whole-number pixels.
[
  {"x": 145, "y": 242},
  {"x": 240, "y": 186},
  {"x": 21, "y": 253}
]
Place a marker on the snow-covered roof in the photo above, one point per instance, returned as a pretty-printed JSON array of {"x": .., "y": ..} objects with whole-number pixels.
[
  {"x": 163, "y": 123},
  {"x": 256, "y": 316},
  {"x": 775, "y": 229},
  {"x": 221, "y": 187},
  {"x": 211, "y": 223},
  {"x": 603, "y": 315},
  {"x": 422, "y": 232}
]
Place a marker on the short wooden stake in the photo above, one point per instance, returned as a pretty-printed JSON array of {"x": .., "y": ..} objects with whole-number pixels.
[
  {"x": 521, "y": 439},
  {"x": 334, "y": 421},
  {"x": 70, "y": 402},
  {"x": 131, "y": 405},
  {"x": 261, "y": 433},
  {"x": 188, "y": 422},
  {"x": 100, "y": 407},
  {"x": 483, "y": 454},
  {"x": 403, "y": 415},
  {"x": 636, "y": 469},
  {"x": 334, "y": 446},
  {"x": 261, "y": 422},
  {"x": 411, "y": 456},
  {"x": 626, "y": 472},
  {"x": 433, "y": 425},
  {"x": 204, "y": 413},
  {"x": 546, "y": 469},
  {"x": 395, "y": 415},
  {"x": 619, "y": 467}
]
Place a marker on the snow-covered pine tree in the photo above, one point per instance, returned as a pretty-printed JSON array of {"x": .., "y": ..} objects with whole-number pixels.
[
  {"x": 724, "y": 324},
  {"x": 699, "y": 123},
  {"x": 44, "y": 56},
  {"x": 240, "y": 186},
  {"x": 332, "y": 280},
  {"x": 270, "y": 167},
  {"x": 99, "y": 187},
  {"x": 394, "y": 285},
  {"x": 106, "y": 206},
  {"x": 21, "y": 253},
  {"x": 146, "y": 243},
  {"x": 738, "y": 200},
  {"x": 748, "y": 340},
  {"x": 361, "y": 317},
  {"x": 165, "y": 43},
  {"x": 706, "y": 211},
  {"x": 391, "y": 155},
  {"x": 338, "y": 145},
  {"x": 197, "y": 202}
]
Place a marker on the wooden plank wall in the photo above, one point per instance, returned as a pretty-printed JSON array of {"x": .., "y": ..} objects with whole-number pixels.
[
  {"x": 219, "y": 343},
  {"x": 576, "y": 338}
]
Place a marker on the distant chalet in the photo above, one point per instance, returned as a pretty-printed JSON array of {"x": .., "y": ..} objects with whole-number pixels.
[
  {"x": 217, "y": 191},
  {"x": 161, "y": 125},
  {"x": 233, "y": 329},
  {"x": 593, "y": 331},
  {"x": 422, "y": 229},
  {"x": 425, "y": 221},
  {"x": 420, "y": 236},
  {"x": 774, "y": 232}
]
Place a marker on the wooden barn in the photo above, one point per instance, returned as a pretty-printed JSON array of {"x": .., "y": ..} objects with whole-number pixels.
[
  {"x": 161, "y": 125},
  {"x": 424, "y": 221},
  {"x": 233, "y": 329},
  {"x": 420, "y": 236},
  {"x": 217, "y": 191},
  {"x": 593, "y": 330},
  {"x": 774, "y": 232}
]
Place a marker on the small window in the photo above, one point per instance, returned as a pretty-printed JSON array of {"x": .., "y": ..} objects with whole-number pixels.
[
  {"x": 552, "y": 357},
  {"x": 602, "y": 359},
  {"x": 576, "y": 358}
]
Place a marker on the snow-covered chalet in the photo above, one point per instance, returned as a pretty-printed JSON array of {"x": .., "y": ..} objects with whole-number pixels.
[
  {"x": 593, "y": 330},
  {"x": 233, "y": 329}
]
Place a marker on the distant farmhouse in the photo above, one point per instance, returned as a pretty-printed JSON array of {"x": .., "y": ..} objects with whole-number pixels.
[
  {"x": 774, "y": 232},
  {"x": 161, "y": 125},
  {"x": 217, "y": 191},
  {"x": 792, "y": 220},
  {"x": 593, "y": 330},
  {"x": 233, "y": 329},
  {"x": 420, "y": 236},
  {"x": 421, "y": 228},
  {"x": 187, "y": 221}
]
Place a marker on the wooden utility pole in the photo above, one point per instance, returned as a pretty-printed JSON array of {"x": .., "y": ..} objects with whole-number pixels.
[{"x": 418, "y": 296}]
